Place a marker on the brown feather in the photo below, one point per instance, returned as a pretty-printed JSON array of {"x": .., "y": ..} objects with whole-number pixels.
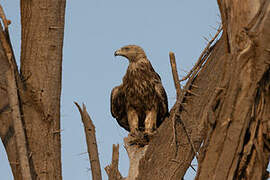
[{"x": 141, "y": 90}]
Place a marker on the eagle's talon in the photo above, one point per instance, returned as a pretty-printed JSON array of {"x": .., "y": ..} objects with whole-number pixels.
[
  {"x": 140, "y": 140},
  {"x": 135, "y": 133},
  {"x": 149, "y": 135}
]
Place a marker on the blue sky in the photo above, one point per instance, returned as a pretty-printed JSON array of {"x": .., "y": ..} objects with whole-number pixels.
[{"x": 94, "y": 29}]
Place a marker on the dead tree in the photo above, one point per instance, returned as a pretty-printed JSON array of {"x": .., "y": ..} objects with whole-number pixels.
[
  {"x": 221, "y": 116},
  {"x": 30, "y": 99}
]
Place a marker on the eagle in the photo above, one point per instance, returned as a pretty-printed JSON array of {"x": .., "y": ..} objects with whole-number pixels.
[{"x": 140, "y": 103}]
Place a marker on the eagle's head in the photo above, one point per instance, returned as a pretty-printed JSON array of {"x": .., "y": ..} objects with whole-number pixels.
[{"x": 132, "y": 52}]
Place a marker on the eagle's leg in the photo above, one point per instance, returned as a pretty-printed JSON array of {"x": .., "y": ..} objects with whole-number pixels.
[
  {"x": 150, "y": 121},
  {"x": 133, "y": 121}
]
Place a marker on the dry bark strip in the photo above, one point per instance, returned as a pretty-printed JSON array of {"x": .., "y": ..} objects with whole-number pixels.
[{"x": 90, "y": 134}]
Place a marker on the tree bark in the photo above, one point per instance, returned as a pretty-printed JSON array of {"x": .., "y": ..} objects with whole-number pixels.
[
  {"x": 7, "y": 132},
  {"x": 39, "y": 89},
  {"x": 41, "y": 67}
]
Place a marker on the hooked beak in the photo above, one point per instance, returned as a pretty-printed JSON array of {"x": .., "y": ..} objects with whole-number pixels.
[{"x": 117, "y": 53}]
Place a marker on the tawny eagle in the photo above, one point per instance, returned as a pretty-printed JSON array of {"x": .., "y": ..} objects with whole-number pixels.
[{"x": 140, "y": 102}]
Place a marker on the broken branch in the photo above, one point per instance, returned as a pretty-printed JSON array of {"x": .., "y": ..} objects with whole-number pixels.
[
  {"x": 112, "y": 169},
  {"x": 90, "y": 134},
  {"x": 175, "y": 75}
]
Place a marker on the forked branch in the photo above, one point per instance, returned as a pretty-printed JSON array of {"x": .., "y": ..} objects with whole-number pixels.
[{"x": 90, "y": 134}]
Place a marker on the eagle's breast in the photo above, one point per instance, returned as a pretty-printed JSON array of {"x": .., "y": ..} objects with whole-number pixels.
[{"x": 139, "y": 86}]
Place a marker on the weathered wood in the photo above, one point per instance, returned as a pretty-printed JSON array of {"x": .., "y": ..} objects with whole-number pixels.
[
  {"x": 235, "y": 146},
  {"x": 10, "y": 115},
  {"x": 18, "y": 124},
  {"x": 41, "y": 63},
  {"x": 175, "y": 75},
  {"x": 92, "y": 148},
  {"x": 112, "y": 169}
]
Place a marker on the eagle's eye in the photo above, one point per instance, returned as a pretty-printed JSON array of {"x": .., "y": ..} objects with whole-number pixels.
[{"x": 126, "y": 48}]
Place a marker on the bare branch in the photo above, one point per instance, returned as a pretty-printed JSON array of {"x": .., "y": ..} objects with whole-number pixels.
[
  {"x": 18, "y": 125},
  {"x": 90, "y": 134},
  {"x": 112, "y": 169},
  {"x": 175, "y": 75}
]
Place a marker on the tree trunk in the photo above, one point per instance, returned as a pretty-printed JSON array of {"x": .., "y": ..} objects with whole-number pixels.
[
  {"x": 237, "y": 144},
  {"x": 39, "y": 89}
]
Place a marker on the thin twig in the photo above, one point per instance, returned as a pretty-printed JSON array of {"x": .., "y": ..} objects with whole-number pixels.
[
  {"x": 175, "y": 75},
  {"x": 205, "y": 51},
  {"x": 90, "y": 134},
  {"x": 192, "y": 93}
]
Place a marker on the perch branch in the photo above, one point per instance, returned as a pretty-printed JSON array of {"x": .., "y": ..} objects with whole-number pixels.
[
  {"x": 201, "y": 58},
  {"x": 175, "y": 75},
  {"x": 112, "y": 169},
  {"x": 14, "y": 102},
  {"x": 90, "y": 134}
]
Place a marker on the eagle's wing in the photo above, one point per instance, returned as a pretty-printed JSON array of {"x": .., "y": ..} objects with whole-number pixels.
[
  {"x": 118, "y": 107},
  {"x": 162, "y": 111}
]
